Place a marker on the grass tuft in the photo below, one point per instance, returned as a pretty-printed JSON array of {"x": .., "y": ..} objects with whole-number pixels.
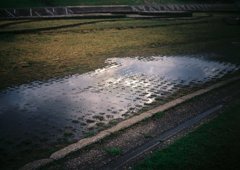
[{"x": 113, "y": 151}]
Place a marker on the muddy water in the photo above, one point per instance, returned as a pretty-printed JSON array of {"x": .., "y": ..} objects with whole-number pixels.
[{"x": 72, "y": 106}]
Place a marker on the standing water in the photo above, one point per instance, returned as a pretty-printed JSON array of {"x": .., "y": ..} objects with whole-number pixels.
[{"x": 75, "y": 105}]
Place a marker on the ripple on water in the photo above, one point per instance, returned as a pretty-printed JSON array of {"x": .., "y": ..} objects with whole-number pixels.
[{"x": 119, "y": 90}]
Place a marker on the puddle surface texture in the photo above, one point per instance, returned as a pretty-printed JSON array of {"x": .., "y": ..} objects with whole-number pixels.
[{"x": 46, "y": 111}]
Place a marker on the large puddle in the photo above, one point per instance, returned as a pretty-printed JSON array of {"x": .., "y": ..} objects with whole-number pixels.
[{"x": 77, "y": 104}]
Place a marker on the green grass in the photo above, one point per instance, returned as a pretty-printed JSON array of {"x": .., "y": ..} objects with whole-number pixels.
[
  {"x": 159, "y": 115},
  {"x": 113, "y": 151},
  {"x": 214, "y": 145},
  {"x": 66, "y": 47},
  {"x": 68, "y": 134},
  {"x": 90, "y": 134},
  {"x": 40, "y": 3}
]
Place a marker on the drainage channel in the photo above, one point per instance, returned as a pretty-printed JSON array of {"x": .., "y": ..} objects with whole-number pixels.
[{"x": 137, "y": 152}]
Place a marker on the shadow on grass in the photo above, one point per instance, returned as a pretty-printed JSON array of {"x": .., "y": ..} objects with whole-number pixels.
[
  {"x": 16, "y": 23},
  {"x": 36, "y": 30}
]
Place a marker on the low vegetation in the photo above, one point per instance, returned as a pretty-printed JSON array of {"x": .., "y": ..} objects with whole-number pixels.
[
  {"x": 39, "y": 50},
  {"x": 113, "y": 151},
  {"x": 213, "y": 146}
]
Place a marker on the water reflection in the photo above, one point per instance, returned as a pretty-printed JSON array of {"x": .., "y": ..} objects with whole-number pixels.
[{"x": 78, "y": 102}]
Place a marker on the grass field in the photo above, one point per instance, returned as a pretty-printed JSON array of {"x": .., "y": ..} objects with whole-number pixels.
[
  {"x": 213, "y": 146},
  {"x": 39, "y": 3},
  {"x": 39, "y": 50}
]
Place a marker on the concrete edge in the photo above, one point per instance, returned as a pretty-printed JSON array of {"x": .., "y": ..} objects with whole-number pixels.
[
  {"x": 37, "y": 164},
  {"x": 163, "y": 14},
  {"x": 121, "y": 126},
  {"x": 132, "y": 155},
  {"x": 144, "y": 9}
]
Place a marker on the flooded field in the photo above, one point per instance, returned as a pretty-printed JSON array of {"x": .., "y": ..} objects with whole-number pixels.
[
  {"x": 50, "y": 112},
  {"x": 63, "y": 80}
]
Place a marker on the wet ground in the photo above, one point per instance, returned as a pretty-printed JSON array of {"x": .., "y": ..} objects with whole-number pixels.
[
  {"x": 40, "y": 117},
  {"x": 97, "y": 156},
  {"x": 75, "y": 106}
]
